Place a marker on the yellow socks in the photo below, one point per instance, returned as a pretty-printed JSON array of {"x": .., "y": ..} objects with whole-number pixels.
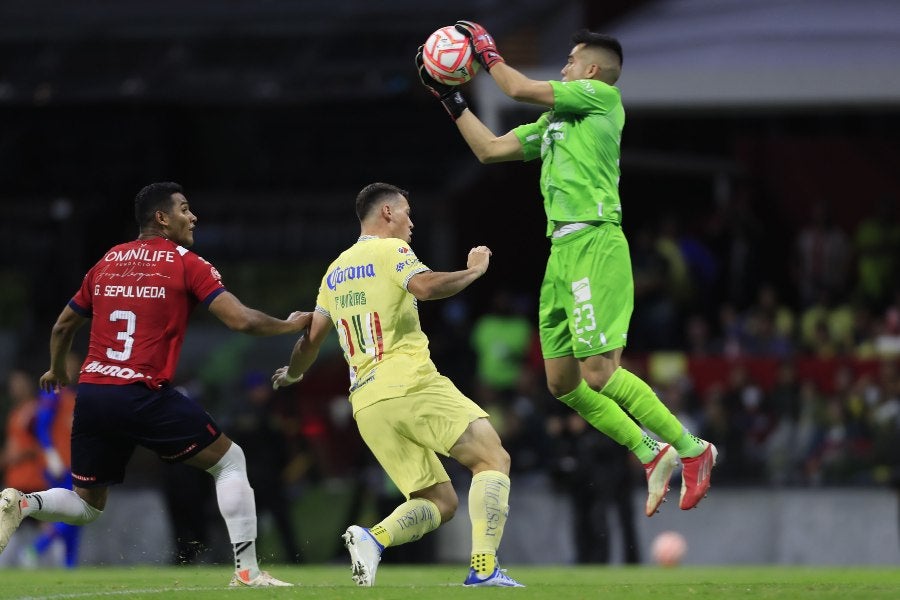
[
  {"x": 408, "y": 523},
  {"x": 488, "y": 509}
]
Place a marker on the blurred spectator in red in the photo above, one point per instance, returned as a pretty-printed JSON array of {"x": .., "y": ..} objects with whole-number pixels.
[{"x": 23, "y": 458}]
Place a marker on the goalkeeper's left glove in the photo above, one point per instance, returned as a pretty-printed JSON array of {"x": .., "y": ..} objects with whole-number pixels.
[
  {"x": 482, "y": 42},
  {"x": 449, "y": 96}
]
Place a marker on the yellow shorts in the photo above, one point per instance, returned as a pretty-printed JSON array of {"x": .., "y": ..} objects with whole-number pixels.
[{"x": 405, "y": 433}]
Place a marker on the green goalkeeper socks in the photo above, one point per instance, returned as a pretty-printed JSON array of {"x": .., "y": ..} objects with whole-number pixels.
[
  {"x": 635, "y": 396},
  {"x": 605, "y": 415}
]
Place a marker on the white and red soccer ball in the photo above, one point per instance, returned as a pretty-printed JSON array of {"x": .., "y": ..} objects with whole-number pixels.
[
  {"x": 448, "y": 57},
  {"x": 668, "y": 548}
]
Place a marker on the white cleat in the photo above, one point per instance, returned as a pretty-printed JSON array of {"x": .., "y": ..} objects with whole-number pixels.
[
  {"x": 10, "y": 514},
  {"x": 659, "y": 472},
  {"x": 365, "y": 554},
  {"x": 242, "y": 579}
]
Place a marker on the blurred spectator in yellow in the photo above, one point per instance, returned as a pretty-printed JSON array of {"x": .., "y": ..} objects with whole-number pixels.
[{"x": 877, "y": 243}]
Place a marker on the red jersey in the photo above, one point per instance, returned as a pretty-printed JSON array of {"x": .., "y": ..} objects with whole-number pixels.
[{"x": 140, "y": 295}]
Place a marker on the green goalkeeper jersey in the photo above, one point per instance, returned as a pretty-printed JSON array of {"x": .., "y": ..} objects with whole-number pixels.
[{"x": 578, "y": 143}]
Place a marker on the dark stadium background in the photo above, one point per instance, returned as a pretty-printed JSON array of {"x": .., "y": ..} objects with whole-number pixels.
[{"x": 274, "y": 114}]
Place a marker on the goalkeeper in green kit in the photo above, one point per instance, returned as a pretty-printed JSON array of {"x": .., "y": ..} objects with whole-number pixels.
[{"x": 587, "y": 295}]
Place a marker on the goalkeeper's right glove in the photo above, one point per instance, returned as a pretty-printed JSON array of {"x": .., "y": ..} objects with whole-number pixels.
[
  {"x": 482, "y": 43},
  {"x": 449, "y": 96}
]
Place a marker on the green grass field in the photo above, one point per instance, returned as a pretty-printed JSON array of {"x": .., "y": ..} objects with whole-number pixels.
[{"x": 444, "y": 582}]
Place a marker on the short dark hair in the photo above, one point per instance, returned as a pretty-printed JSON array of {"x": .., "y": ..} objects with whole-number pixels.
[
  {"x": 372, "y": 193},
  {"x": 154, "y": 197},
  {"x": 600, "y": 40}
]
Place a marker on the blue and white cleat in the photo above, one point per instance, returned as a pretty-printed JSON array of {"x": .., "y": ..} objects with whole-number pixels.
[
  {"x": 365, "y": 554},
  {"x": 498, "y": 578}
]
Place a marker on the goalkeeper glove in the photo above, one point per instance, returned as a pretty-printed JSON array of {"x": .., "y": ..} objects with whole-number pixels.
[
  {"x": 450, "y": 97},
  {"x": 482, "y": 42}
]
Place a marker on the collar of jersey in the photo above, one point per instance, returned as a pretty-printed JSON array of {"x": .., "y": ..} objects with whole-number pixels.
[{"x": 364, "y": 238}]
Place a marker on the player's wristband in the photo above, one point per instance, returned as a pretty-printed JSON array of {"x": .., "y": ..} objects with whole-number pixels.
[
  {"x": 454, "y": 103},
  {"x": 289, "y": 380}
]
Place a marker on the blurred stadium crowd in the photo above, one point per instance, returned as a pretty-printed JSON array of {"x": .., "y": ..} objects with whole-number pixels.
[{"x": 765, "y": 242}]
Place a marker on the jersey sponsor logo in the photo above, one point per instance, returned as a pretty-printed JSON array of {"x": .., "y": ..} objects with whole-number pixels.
[
  {"x": 113, "y": 371},
  {"x": 403, "y": 250},
  {"x": 586, "y": 86},
  {"x": 555, "y": 132},
  {"x": 581, "y": 289},
  {"x": 355, "y": 384},
  {"x": 140, "y": 254},
  {"x": 409, "y": 261},
  {"x": 130, "y": 291},
  {"x": 341, "y": 274}
]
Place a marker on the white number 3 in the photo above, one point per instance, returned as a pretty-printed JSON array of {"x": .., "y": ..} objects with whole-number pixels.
[
  {"x": 124, "y": 336},
  {"x": 584, "y": 318}
]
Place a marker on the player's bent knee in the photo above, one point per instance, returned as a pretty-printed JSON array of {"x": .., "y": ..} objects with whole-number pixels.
[
  {"x": 502, "y": 461},
  {"x": 560, "y": 387},
  {"x": 448, "y": 509}
]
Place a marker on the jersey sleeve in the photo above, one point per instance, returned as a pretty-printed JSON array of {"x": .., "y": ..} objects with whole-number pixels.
[
  {"x": 202, "y": 279},
  {"x": 403, "y": 264},
  {"x": 83, "y": 300},
  {"x": 530, "y": 136},
  {"x": 323, "y": 301},
  {"x": 584, "y": 96}
]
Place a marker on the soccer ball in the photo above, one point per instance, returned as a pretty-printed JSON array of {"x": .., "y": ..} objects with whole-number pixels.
[
  {"x": 448, "y": 57},
  {"x": 668, "y": 548}
]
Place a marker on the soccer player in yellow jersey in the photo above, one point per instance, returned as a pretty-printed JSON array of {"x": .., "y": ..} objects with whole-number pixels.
[{"x": 406, "y": 411}]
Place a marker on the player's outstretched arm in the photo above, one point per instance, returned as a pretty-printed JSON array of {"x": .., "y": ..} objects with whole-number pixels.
[
  {"x": 451, "y": 98},
  {"x": 434, "y": 285},
  {"x": 238, "y": 317},
  {"x": 510, "y": 81},
  {"x": 61, "y": 336},
  {"x": 305, "y": 352},
  {"x": 487, "y": 147}
]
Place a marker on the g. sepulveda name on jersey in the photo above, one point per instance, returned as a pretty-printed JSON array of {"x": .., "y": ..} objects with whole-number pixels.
[
  {"x": 140, "y": 295},
  {"x": 364, "y": 294}
]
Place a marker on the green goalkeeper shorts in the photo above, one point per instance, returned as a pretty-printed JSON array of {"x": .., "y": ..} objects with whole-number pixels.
[{"x": 587, "y": 295}]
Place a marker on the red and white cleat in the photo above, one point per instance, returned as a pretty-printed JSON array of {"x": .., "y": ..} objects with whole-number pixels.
[{"x": 695, "y": 477}]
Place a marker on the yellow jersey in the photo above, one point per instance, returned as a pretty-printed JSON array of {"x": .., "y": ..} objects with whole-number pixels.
[{"x": 377, "y": 319}]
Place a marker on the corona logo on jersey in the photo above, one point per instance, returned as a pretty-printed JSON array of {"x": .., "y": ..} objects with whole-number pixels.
[{"x": 341, "y": 274}]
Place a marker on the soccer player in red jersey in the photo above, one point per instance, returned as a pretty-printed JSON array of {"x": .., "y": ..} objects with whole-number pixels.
[{"x": 139, "y": 296}]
